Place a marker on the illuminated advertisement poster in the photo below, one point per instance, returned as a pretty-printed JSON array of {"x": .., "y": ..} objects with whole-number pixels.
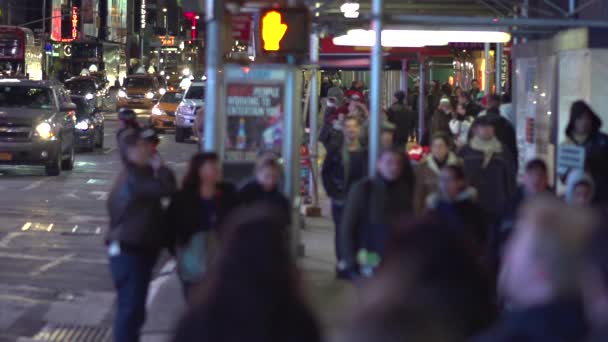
[
  {"x": 254, "y": 120},
  {"x": 56, "y": 21}
]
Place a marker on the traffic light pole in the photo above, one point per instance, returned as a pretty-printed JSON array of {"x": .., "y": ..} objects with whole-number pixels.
[
  {"x": 376, "y": 87},
  {"x": 214, "y": 115}
]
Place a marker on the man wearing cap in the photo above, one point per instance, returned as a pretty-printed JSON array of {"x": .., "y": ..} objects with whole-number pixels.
[
  {"x": 404, "y": 119},
  {"x": 489, "y": 166}
]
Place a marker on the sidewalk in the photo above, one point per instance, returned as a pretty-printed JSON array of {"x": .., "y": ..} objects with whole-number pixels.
[{"x": 329, "y": 296}]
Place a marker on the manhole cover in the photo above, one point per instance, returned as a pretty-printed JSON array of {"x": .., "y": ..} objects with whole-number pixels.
[{"x": 69, "y": 333}]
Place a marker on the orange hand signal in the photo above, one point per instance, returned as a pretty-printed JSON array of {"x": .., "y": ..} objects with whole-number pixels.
[{"x": 273, "y": 30}]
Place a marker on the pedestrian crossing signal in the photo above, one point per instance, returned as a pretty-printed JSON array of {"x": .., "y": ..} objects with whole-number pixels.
[{"x": 284, "y": 31}]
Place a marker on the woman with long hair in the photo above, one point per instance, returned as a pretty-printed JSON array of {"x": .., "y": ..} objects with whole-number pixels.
[
  {"x": 195, "y": 213},
  {"x": 252, "y": 292}
]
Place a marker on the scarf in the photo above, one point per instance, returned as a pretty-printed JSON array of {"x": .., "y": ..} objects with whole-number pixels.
[{"x": 488, "y": 147}]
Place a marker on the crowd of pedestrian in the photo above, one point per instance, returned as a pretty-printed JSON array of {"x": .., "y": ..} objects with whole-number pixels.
[{"x": 451, "y": 248}]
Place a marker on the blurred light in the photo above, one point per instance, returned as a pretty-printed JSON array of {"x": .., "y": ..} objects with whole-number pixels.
[
  {"x": 89, "y": 96},
  {"x": 165, "y": 10},
  {"x": 197, "y": 17},
  {"x": 186, "y": 71},
  {"x": 418, "y": 38},
  {"x": 351, "y": 14},
  {"x": 26, "y": 226},
  {"x": 149, "y": 95},
  {"x": 122, "y": 93},
  {"x": 349, "y": 7},
  {"x": 318, "y": 4},
  {"x": 162, "y": 91}
]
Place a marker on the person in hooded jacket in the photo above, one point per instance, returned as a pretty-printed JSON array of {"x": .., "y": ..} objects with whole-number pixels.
[
  {"x": 127, "y": 120},
  {"x": 584, "y": 130},
  {"x": 403, "y": 117},
  {"x": 580, "y": 189},
  {"x": 455, "y": 206},
  {"x": 489, "y": 167},
  {"x": 264, "y": 188},
  {"x": 137, "y": 233},
  {"x": 427, "y": 172},
  {"x": 372, "y": 206},
  {"x": 196, "y": 213}
]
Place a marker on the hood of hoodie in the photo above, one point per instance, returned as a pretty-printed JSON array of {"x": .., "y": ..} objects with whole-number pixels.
[
  {"x": 575, "y": 178},
  {"x": 468, "y": 194},
  {"x": 579, "y": 108}
]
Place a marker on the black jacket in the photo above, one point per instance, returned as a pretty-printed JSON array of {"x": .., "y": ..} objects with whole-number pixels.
[
  {"x": 253, "y": 193},
  {"x": 560, "y": 321},
  {"x": 472, "y": 109},
  {"x": 495, "y": 184},
  {"x": 137, "y": 219},
  {"x": 404, "y": 120},
  {"x": 334, "y": 175},
  {"x": 185, "y": 214},
  {"x": 505, "y": 133}
]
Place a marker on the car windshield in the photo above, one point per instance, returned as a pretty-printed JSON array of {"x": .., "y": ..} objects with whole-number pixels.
[
  {"x": 83, "y": 108},
  {"x": 171, "y": 98},
  {"x": 138, "y": 82},
  {"x": 26, "y": 97},
  {"x": 81, "y": 87},
  {"x": 196, "y": 93}
]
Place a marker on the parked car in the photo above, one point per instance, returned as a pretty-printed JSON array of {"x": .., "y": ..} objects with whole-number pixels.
[
  {"x": 140, "y": 91},
  {"x": 194, "y": 98},
  {"x": 89, "y": 124},
  {"x": 37, "y": 122},
  {"x": 163, "y": 113}
]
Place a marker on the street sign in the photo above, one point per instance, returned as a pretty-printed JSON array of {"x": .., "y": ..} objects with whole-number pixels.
[{"x": 284, "y": 31}]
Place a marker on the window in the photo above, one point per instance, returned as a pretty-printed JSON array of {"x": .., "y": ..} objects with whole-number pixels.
[
  {"x": 139, "y": 82},
  {"x": 26, "y": 97},
  {"x": 81, "y": 87},
  {"x": 196, "y": 93},
  {"x": 171, "y": 98}
]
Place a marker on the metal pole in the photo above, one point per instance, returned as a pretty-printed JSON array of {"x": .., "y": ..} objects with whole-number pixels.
[
  {"x": 431, "y": 79},
  {"x": 376, "y": 87},
  {"x": 571, "y": 7},
  {"x": 498, "y": 69},
  {"x": 404, "y": 77},
  {"x": 486, "y": 71},
  {"x": 291, "y": 147},
  {"x": 43, "y": 16},
  {"x": 313, "y": 110},
  {"x": 213, "y": 48},
  {"x": 421, "y": 97}
]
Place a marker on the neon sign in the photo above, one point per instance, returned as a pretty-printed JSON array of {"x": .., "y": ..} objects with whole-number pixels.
[
  {"x": 74, "y": 23},
  {"x": 143, "y": 14}
]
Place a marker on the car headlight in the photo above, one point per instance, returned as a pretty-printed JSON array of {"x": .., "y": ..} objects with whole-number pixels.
[
  {"x": 162, "y": 91},
  {"x": 185, "y": 110},
  {"x": 149, "y": 95},
  {"x": 157, "y": 111},
  {"x": 89, "y": 96},
  {"x": 83, "y": 125},
  {"x": 44, "y": 130},
  {"x": 122, "y": 93}
]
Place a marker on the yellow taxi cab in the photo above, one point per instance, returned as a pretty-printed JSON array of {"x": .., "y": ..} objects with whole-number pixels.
[
  {"x": 140, "y": 91},
  {"x": 163, "y": 113}
]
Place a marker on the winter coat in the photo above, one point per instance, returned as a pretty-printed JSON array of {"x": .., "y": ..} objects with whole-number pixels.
[
  {"x": 137, "y": 218},
  {"x": 335, "y": 172},
  {"x": 472, "y": 109},
  {"x": 404, "y": 120},
  {"x": 559, "y": 321},
  {"x": 253, "y": 193},
  {"x": 460, "y": 130},
  {"x": 596, "y": 159},
  {"x": 505, "y": 134},
  {"x": 463, "y": 216},
  {"x": 495, "y": 182},
  {"x": 427, "y": 180},
  {"x": 372, "y": 206},
  {"x": 440, "y": 123}
]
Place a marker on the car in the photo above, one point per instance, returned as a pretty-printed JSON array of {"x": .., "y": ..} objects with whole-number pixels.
[
  {"x": 37, "y": 122},
  {"x": 89, "y": 127},
  {"x": 87, "y": 86},
  {"x": 163, "y": 113},
  {"x": 185, "y": 115},
  {"x": 140, "y": 91}
]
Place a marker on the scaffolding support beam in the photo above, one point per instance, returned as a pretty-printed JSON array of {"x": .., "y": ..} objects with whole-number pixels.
[
  {"x": 376, "y": 87},
  {"x": 491, "y": 22}
]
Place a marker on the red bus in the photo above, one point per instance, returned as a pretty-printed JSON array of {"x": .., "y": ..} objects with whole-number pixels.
[{"x": 19, "y": 54}]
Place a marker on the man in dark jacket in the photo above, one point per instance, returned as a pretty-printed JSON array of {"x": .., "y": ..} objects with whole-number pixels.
[
  {"x": 345, "y": 164},
  {"x": 505, "y": 132},
  {"x": 404, "y": 119},
  {"x": 137, "y": 231},
  {"x": 539, "y": 279},
  {"x": 372, "y": 206},
  {"x": 584, "y": 130},
  {"x": 490, "y": 168},
  {"x": 471, "y": 107}
]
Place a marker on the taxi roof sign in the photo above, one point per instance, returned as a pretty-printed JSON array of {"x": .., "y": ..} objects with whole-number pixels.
[{"x": 284, "y": 31}]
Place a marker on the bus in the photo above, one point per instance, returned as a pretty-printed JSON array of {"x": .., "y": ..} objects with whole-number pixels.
[
  {"x": 99, "y": 58},
  {"x": 20, "y": 56}
]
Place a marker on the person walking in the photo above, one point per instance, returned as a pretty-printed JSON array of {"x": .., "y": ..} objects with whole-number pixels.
[
  {"x": 583, "y": 130},
  {"x": 427, "y": 172},
  {"x": 440, "y": 121},
  {"x": 344, "y": 164},
  {"x": 472, "y": 109},
  {"x": 196, "y": 212},
  {"x": 137, "y": 232},
  {"x": 504, "y": 130},
  {"x": 372, "y": 205},
  {"x": 264, "y": 188},
  {"x": 127, "y": 123},
  {"x": 336, "y": 92},
  {"x": 460, "y": 126},
  {"x": 490, "y": 168},
  {"x": 403, "y": 118},
  {"x": 253, "y": 291}
]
